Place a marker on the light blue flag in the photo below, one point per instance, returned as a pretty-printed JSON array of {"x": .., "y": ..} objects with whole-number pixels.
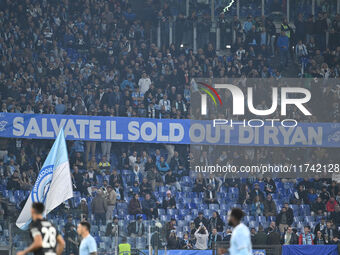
[{"x": 53, "y": 185}]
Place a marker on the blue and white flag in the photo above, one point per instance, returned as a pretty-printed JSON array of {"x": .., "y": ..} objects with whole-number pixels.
[{"x": 53, "y": 185}]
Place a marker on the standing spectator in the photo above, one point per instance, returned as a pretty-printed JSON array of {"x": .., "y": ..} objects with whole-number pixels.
[
  {"x": 154, "y": 177},
  {"x": 201, "y": 236},
  {"x": 144, "y": 83},
  {"x": 171, "y": 180},
  {"x": 330, "y": 232},
  {"x": 284, "y": 219},
  {"x": 216, "y": 222},
  {"x": 201, "y": 219},
  {"x": 289, "y": 237},
  {"x": 256, "y": 192},
  {"x": 319, "y": 238},
  {"x": 134, "y": 206},
  {"x": 84, "y": 210},
  {"x": 260, "y": 237},
  {"x": 186, "y": 243},
  {"x": 112, "y": 228},
  {"x": 330, "y": 206},
  {"x": 99, "y": 207},
  {"x": 214, "y": 237},
  {"x": 283, "y": 45},
  {"x": 162, "y": 165},
  {"x": 306, "y": 237},
  {"x": 320, "y": 226},
  {"x": 111, "y": 198},
  {"x": 173, "y": 241}
]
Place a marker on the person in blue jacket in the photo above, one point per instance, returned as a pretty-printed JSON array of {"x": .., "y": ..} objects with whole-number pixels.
[
  {"x": 162, "y": 165},
  {"x": 283, "y": 46}
]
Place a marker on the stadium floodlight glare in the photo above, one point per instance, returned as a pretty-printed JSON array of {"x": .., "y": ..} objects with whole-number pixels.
[{"x": 228, "y": 46}]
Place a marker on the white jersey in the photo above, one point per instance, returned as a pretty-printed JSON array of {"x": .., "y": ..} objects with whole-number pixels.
[{"x": 240, "y": 242}]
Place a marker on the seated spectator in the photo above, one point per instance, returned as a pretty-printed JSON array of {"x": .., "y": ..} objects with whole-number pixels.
[
  {"x": 284, "y": 219},
  {"x": 78, "y": 161},
  {"x": 145, "y": 187},
  {"x": 318, "y": 208},
  {"x": 324, "y": 194},
  {"x": 210, "y": 196},
  {"x": 173, "y": 241},
  {"x": 244, "y": 195},
  {"x": 330, "y": 206},
  {"x": 306, "y": 237},
  {"x": 216, "y": 222},
  {"x": 289, "y": 237},
  {"x": 201, "y": 236},
  {"x": 199, "y": 184},
  {"x": 269, "y": 206},
  {"x": 215, "y": 182},
  {"x": 171, "y": 225},
  {"x": 171, "y": 180},
  {"x": 123, "y": 163},
  {"x": 186, "y": 243},
  {"x": 272, "y": 227},
  {"x": 256, "y": 192},
  {"x": 269, "y": 185},
  {"x": 136, "y": 228},
  {"x": 311, "y": 196},
  {"x": 134, "y": 206},
  {"x": 112, "y": 228},
  {"x": 104, "y": 165},
  {"x": 14, "y": 181},
  {"x": 92, "y": 164},
  {"x": 169, "y": 201},
  {"x": 213, "y": 238},
  {"x": 162, "y": 165},
  {"x": 149, "y": 207},
  {"x": 115, "y": 178},
  {"x": 83, "y": 208},
  {"x": 154, "y": 177},
  {"x": 260, "y": 237},
  {"x": 257, "y": 207},
  {"x": 136, "y": 175},
  {"x": 177, "y": 165},
  {"x": 319, "y": 238},
  {"x": 201, "y": 219}
]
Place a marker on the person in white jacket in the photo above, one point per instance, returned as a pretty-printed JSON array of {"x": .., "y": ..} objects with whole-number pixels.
[
  {"x": 202, "y": 236},
  {"x": 144, "y": 83}
]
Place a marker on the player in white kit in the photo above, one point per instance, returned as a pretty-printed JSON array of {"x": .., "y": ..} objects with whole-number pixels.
[{"x": 240, "y": 242}]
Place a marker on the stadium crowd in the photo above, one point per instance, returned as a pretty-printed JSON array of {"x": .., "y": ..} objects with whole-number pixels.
[{"x": 96, "y": 58}]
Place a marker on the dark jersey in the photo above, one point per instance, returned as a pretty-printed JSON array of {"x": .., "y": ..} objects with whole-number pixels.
[{"x": 49, "y": 235}]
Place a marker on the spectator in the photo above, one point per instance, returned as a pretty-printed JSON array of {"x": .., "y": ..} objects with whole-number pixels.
[
  {"x": 154, "y": 177},
  {"x": 257, "y": 207},
  {"x": 260, "y": 237},
  {"x": 283, "y": 44},
  {"x": 134, "y": 206},
  {"x": 136, "y": 228},
  {"x": 173, "y": 241},
  {"x": 201, "y": 236},
  {"x": 269, "y": 206},
  {"x": 104, "y": 165},
  {"x": 318, "y": 207},
  {"x": 149, "y": 207},
  {"x": 169, "y": 201},
  {"x": 145, "y": 187},
  {"x": 330, "y": 232},
  {"x": 162, "y": 166},
  {"x": 99, "y": 207},
  {"x": 186, "y": 243},
  {"x": 84, "y": 210},
  {"x": 269, "y": 185},
  {"x": 111, "y": 198},
  {"x": 210, "y": 195},
  {"x": 256, "y": 192},
  {"x": 214, "y": 237},
  {"x": 284, "y": 219},
  {"x": 289, "y": 237},
  {"x": 306, "y": 237},
  {"x": 112, "y": 228},
  {"x": 216, "y": 222},
  {"x": 14, "y": 182},
  {"x": 330, "y": 206},
  {"x": 171, "y": 180},
  {"x": 201, "y": 219},
  {"x": 320, "y": 226},
  {"x": 319, "y": 238}
]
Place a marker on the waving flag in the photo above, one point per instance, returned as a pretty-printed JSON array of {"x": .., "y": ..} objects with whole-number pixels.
[{"x": 53, "y": 185}]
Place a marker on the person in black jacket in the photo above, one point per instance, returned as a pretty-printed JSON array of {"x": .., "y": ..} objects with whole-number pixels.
[
  {"x": 284, "y": 219},
  {"x": 200, "y": 218},
  {"x": 290, "y": 237},
  {"x": 256, "y": 192},
  {"x": 216, "y": 222},
  {"x": 186, "y": 243},
  {"x": 169, "y": 201},
  {"x": 214, "y": 237}
]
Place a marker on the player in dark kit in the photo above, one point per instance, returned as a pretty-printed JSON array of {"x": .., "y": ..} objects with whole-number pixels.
[{"x": 46, "y": 239}]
